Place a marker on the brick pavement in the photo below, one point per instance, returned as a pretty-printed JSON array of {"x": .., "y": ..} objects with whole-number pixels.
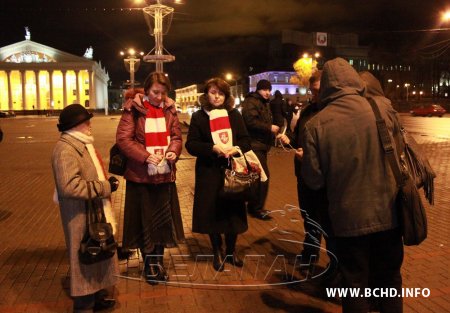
[{"x": 34, "y": 265}]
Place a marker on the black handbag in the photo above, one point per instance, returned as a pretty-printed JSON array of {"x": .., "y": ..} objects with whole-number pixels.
[
  {"x": 117, "y": 161},
  {"x": 98, "y": 242},
  {"x": 411, "y": 211},
  {"x": 240, "y": 186}
]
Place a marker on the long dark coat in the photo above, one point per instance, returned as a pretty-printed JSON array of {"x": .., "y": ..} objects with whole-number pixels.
[{"x": 211, "y": 214}]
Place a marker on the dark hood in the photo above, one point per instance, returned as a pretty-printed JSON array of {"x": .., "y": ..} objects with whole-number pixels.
[
  {"x": 339, "y": 79},
  {"x": 204, "y": 103},
  {"x": 373, "y": 86}
]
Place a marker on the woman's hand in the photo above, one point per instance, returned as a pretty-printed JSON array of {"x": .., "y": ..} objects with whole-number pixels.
[
  {"x": 219, "y": 150},
  {"x": 171, "y": 156},
  {"x": 299, "y": 154},
  {"x": 225, "y": 152},
  {"x": 284, "y": 139},
  {"x": 154, "y": 159}
]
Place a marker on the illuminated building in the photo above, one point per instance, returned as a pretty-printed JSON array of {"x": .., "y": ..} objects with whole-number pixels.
[
  {"x": 36, "y": 78},
  {"x": 281, "y": 81}
]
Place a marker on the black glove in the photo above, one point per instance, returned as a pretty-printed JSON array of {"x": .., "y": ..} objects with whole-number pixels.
[{"x": 114, "y": 182}]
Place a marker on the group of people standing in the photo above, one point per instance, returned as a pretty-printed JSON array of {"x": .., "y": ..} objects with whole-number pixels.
[{"x": 344, "y": 182}]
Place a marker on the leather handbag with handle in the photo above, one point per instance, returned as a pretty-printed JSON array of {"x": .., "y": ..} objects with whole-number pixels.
[
  {"x": 239, "y": 184},
  {"x": 98, "y": 242}
]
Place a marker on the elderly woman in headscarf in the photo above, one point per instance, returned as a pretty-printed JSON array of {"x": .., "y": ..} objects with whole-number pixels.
[{"x": 78, "y": 172}]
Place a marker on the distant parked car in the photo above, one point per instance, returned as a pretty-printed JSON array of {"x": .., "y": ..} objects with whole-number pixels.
[
  {"x": 7, "y": 114},
  {"x": 428, "y": 110}
]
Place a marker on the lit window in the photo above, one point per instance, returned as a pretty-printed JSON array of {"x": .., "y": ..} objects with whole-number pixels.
[{"x": 350, "y": 61}]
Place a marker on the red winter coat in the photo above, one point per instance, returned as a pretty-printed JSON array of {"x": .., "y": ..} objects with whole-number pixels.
[{"x": 130, "y": 138}]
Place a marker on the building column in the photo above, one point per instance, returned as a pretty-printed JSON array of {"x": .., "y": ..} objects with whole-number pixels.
[
  {"x": 51, "y": 89},
  {"x": 64, "y": 88},
  {"x": 91, "y": 88},
  {"x": 24, "y": 95},
  {"x": 10, "y": 100},
  {"x": 77, "y": 75},
  {"x": 38, "y": 89}
]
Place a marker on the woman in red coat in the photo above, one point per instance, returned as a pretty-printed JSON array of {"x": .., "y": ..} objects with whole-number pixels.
[{"x": 149, "y": 135}]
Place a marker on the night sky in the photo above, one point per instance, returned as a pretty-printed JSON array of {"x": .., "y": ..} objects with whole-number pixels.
[{"x": 212, "y": 37}]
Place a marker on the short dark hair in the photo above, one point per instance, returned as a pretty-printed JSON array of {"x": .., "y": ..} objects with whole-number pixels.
[
  {"x": 157, "y": 77},
  {"x": 220, "y": 83},
  {"x": 315, "y": 77}
]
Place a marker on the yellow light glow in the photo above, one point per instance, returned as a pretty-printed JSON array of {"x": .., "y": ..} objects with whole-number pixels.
[
  {"x": 131, "y": 51},
  {"x": 305, "y": 55},
  {"x": 228, "y": 76},
  {"x": 446, "y": 16},
  {"x": 317, "y": 55}
]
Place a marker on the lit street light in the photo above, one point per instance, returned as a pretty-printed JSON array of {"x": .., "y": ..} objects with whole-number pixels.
[
  {"x": 229, "y": 77},
  {"x": 406, "y": 86},
  {"x": 131, "y": 63}
]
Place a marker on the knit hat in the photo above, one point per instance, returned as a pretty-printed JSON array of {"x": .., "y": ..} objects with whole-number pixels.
[
  {"x": 73, "y": 115},
  {"x": 263, "y": 84}
]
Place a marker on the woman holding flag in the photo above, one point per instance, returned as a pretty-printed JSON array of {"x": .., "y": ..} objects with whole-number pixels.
[
  {"x": 215, "y": 133},
  {"x": 149, "y": 135}
]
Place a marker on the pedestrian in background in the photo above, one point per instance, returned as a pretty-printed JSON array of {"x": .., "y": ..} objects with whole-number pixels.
[
  {"x": 277, "y": 107},
  {"x": 343, "y": 153},
  {"x": 75, "y": 163},
  {"x": 149, "y": 135},
  {"x": 213, "y": 215},
  {"x": 258, "y": 120}
]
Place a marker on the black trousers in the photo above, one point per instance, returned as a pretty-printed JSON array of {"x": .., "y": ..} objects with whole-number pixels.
[
  {"x": 316, "y": 222},
  {"x": 257, "y": 204},
  {"x": 371, "y": 261}
]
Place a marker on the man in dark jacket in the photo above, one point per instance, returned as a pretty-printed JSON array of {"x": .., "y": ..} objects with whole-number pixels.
[
  {"x": 343, "y": 153},
  {"x": 313, "y": 203},
  {"x": 258, "y": 120}
]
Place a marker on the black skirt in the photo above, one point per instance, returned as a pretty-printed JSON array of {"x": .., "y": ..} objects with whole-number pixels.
[{"x": 152, "y": 216}]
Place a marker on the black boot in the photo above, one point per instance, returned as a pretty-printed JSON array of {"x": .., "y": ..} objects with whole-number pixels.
[
  {"x": 216, "y": 242},
  {"x": 150, "y": 269},
  {"x": 161, "y": 270},
  {"x": 232, "y": 257}
]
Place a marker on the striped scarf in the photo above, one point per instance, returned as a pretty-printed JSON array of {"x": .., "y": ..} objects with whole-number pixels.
[
  {"x": 157, "y": 138},
  {"x": 221, "y": 132}
]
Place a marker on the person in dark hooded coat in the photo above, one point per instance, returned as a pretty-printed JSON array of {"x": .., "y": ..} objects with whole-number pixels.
[{"x": 344, "y": 154}]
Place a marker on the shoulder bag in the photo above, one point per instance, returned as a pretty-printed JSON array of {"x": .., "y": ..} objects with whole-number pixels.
[
  {"x": 411, "y": 212},
  {"x": 98, "y": 242}
]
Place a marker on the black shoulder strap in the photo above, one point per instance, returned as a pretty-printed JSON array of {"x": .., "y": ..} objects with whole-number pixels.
[{"x": 386, "y": 142}]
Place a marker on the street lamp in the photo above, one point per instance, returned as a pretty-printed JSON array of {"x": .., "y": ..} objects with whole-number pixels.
[
  {"x": 131, "y": 63},
  {"x": 445, "y": 16},
  {"x": 406, "y": 86},
  {"x": 229, "y": 76}
]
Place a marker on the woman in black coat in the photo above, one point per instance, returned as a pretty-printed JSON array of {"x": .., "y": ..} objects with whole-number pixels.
[{"x": 211, "y": 214}]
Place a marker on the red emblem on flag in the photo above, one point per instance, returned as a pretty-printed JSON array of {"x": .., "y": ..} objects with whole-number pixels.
[
  {"x": 159, "y": 151},
  {"x": 223, "y": 137}
]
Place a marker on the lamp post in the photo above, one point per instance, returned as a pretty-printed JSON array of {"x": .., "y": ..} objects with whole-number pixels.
[
  {"x": 131, "y": 63},
  {"x": 229, "y": 77},
  {"x": 407, "y": 86},
  {"x": 159, "y": 18}
]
